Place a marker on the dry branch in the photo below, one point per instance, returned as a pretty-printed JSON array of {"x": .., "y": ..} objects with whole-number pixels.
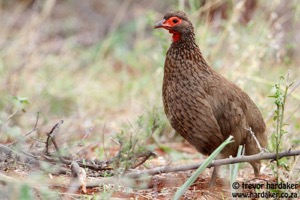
[
  {"x": 78, "y": 178},
  {"x": 51, "y": 137},
  {"x": 167, "y": 169},
  {"x": 30, "y": 160},
  {"x": 6, "y": 153},
  {"x": 85, "y": 164},
  {"x": 144, "y": 157}
]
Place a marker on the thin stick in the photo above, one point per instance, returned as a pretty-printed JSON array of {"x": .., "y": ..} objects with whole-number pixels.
[
  {"x": 35, "y": 125},
  {"x": 256, "y": 140},
  {"x": 103, "y": 140},
  {"x": 51, "y": 136}
]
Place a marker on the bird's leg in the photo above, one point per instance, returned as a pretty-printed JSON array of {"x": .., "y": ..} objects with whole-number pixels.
[
  {"x": 214, "y": 176},
  {"x": 256, "y": 168}
]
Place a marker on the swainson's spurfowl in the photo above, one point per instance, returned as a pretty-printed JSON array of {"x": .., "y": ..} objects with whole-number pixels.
[{"x": 201, "y": 105}]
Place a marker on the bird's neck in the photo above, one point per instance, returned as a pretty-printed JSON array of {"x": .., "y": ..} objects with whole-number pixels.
[
  {"x": 181, "y": 38},
  {"x": 185, "y": 48},
  {"x": 184, "y": 56}
]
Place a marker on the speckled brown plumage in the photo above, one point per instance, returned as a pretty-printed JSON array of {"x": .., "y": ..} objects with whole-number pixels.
[{"x": 201, "y": 105}]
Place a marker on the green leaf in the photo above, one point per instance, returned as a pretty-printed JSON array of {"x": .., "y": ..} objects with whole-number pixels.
[{"x": 22, "y": 100}]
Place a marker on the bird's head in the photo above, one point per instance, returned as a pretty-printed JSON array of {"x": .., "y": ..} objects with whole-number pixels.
[{"x": 178, "y": 24}]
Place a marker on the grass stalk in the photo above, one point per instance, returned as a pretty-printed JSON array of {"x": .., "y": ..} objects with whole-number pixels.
[
  {"x": 234, "y": 168},
  {"x": 196, "y": 174}
]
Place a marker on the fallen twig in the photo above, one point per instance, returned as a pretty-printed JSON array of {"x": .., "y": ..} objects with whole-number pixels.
[
  {"x": 264, "y": 156},
  {"x": 28, "y": 159},
  {"x": 85, "y": 164},
  {"x": 78, "y": 178},
  {"x": 7, "y": 152},
  {"x": 145, "y": 156},
  {"x": 167, "y": 169},
  {"x": 51, "y": 137}
]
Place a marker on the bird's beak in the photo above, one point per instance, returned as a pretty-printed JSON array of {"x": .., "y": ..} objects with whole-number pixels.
[{"x": 160, "y": 24}]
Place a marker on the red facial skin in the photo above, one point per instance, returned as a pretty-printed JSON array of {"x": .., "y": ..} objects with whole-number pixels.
[{"x": 169, "y": 24}]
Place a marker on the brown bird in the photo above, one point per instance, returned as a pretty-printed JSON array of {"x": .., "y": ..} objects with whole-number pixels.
[{"x": 201, "y": 105}]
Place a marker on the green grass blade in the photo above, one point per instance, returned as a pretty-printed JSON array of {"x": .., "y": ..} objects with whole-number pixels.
[
  {"x": 192, "y": 179},
  {"x": 234, "y": 168}
]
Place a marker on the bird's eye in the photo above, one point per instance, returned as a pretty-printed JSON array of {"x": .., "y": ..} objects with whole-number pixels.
[{"x": 175, "y": 21}]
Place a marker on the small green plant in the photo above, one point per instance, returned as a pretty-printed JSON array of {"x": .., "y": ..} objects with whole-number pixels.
[
  {"x": 26, "y": 192},
  {"x": 134, "y": 141},
  {"x": 13, "y": 107},
  {"x": 20, "y": 102},
  {"x": 276, "y": 138}
]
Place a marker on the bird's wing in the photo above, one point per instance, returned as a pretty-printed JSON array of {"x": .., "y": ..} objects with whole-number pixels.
[
  {"x": 192, "y": 116},
  {"x": 234, "y": 110}
]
